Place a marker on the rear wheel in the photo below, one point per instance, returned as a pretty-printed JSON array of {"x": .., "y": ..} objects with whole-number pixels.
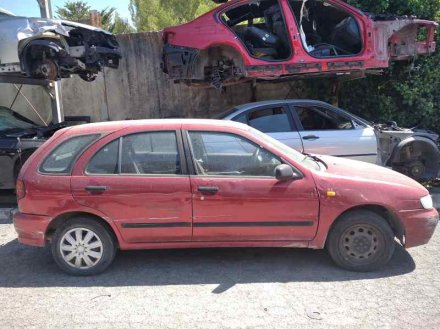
[
  {"x": 361, "y": 241},
  {"x": 83, "y": 246}
]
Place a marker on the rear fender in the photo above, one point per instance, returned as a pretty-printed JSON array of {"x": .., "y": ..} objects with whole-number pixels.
[{"x": 397, "y": 39}]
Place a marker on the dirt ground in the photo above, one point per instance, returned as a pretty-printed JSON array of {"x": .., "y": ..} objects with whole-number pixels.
[{"x": 218, "y": 288}]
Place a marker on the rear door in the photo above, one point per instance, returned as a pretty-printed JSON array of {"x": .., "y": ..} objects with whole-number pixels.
[
  {"x": 138, "y": 181},
  {"x": 324, "y": 130},
  {"x": 276, "y": 121}
]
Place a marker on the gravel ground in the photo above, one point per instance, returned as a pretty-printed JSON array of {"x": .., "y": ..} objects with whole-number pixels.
[{"x": 218, "y": 288}]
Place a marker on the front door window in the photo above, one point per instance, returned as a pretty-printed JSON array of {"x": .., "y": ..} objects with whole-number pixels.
[{"x": 232, "y": 155}]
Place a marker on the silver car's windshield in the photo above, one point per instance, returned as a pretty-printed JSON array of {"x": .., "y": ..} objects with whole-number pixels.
[{"x": 297, "y": 156}]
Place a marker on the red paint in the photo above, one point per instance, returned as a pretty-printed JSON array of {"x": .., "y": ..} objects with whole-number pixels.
[
  {"x": 169, "y": 199},
  {"x": 382, "y": 42}
]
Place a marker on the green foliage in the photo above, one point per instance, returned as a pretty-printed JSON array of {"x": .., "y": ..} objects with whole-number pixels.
[
  {"x": 409, "y": 93},
  {"x": 153, "y": 15},
  {"x": 120, "y": 25},
  {"x": 76, "y": 11},
  {"x": 79, "y": 11}
]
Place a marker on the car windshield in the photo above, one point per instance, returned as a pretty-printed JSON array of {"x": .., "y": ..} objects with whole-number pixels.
[
  {"x": 297, "y": 156},
  {"x": 8, "y": 121}
]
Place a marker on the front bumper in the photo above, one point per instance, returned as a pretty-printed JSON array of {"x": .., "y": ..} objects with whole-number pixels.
[
  {"x": 419, "y": 226},
  {"x": 31, "y": 229}
]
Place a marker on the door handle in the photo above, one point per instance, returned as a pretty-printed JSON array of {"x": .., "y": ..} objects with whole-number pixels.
[
  {"x": 208, "y": 189},
  {"x": 310, "y": 137},
  {"x": 96, "y": 188}
]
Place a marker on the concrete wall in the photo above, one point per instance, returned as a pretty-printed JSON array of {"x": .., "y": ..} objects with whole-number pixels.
[{"x": 139, "y": 89}]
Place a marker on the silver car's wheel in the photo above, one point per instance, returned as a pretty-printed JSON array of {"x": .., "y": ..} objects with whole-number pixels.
[{"x": 81, "y": 248}]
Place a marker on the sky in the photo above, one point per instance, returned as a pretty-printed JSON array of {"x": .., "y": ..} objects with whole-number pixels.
[{"x": 30, "y": 7}]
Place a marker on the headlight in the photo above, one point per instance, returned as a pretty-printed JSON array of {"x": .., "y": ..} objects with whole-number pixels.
[{"x": 426, "y": 202}]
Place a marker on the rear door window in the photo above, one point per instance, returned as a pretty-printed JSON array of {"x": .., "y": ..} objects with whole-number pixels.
[
  {"x": 61, "y": 159},
  {"x": 152, "y": 153},
  {"x": 105, "y": 161},
  {"x": 148, "y": 153},
  {"x": 270, "y": 120}
]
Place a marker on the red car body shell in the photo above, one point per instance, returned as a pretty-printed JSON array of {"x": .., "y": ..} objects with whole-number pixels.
[
  {"x": 239, "y": 206},
  {"x": 383, "y": 41}
]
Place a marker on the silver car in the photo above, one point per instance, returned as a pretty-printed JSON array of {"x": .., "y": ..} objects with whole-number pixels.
[
  {"x": 316, "y": 127},
  {"x": 52, "y": 49}
]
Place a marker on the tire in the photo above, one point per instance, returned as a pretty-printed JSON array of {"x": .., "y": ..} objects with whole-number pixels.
[
  {"x": 361, "y": 241},
  {"x": 89, "y": 257}
]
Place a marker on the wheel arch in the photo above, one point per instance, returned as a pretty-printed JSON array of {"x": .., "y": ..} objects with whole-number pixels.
[
  {"x": 57, "y": 221},
  {"x": 208, "y": 55},
  {"x": 392, "y": 220},
  {"x": 48, "y": 41},
  {"x": 423, "y": 145}
]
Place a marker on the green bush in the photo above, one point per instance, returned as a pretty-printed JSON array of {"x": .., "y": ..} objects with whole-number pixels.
[{"x": 409, "y": 92}]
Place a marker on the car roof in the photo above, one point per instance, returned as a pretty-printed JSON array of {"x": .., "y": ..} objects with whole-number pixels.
[
  {"x": 112, "y": 126},
  {"x": 248, "y": 106}
]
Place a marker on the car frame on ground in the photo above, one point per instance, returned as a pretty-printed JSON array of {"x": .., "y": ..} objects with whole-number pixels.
[
  {"x": 52, "y": 49},
  {"x": 151, "y": 184},
  {"x": 276, "y": 39},
  {"x": 316, "y": 127}
]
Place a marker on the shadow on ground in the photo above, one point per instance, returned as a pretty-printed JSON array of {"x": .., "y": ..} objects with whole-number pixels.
[{"x": 23, "y": 266}]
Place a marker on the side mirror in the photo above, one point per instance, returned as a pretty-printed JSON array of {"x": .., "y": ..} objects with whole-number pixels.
[{"x": 284, "y": 172}]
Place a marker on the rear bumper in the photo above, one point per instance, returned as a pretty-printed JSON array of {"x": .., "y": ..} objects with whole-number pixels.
[
  {"x": 419, "y": 226},
  {"x": 31, "y": 229}
]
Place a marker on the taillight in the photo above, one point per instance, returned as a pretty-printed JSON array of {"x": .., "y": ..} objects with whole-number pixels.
[{"x": 20, "y": 189}]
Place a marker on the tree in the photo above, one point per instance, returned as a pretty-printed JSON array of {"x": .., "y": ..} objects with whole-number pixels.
[
  {"x": 152, "y": 15},
  {"x": 79, "y": 11},
  {"x": 76, "y": 11},
  {"x": 120, "y": 25},
  {"x": 107, "y": 17}
]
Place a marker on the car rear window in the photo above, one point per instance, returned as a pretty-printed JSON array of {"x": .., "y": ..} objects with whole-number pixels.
[{"x": 61, "y": 159}]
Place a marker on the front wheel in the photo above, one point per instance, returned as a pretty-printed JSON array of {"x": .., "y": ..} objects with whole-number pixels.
[
  {"x": 83, "y": 246},
  {"x": 361, "y": 241}
]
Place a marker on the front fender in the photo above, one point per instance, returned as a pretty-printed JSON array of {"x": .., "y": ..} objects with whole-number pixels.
[
  {"x": 428, "y": 145},
  {"x": 26, "y": 51}
]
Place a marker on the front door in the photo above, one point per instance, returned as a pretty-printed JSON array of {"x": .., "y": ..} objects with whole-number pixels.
[
  {"x": 138, "y": 182},
  {"x": 236, "y": 196},
  {"x": 325, "y": 131}
]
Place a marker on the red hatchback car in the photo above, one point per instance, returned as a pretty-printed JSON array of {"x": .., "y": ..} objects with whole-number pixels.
[
  {"x": 272, "y": 39},
  {"x": 147, "y": 184}
]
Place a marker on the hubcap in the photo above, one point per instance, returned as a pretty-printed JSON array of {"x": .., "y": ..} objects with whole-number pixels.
[
  {"x": 360, "y": 242},
  {"x": 81, "y": 248}
]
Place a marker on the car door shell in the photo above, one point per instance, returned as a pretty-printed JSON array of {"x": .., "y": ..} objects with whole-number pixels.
[
  {"x": 144, "y": 208},
  {"x": 358, "y": 143}
]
